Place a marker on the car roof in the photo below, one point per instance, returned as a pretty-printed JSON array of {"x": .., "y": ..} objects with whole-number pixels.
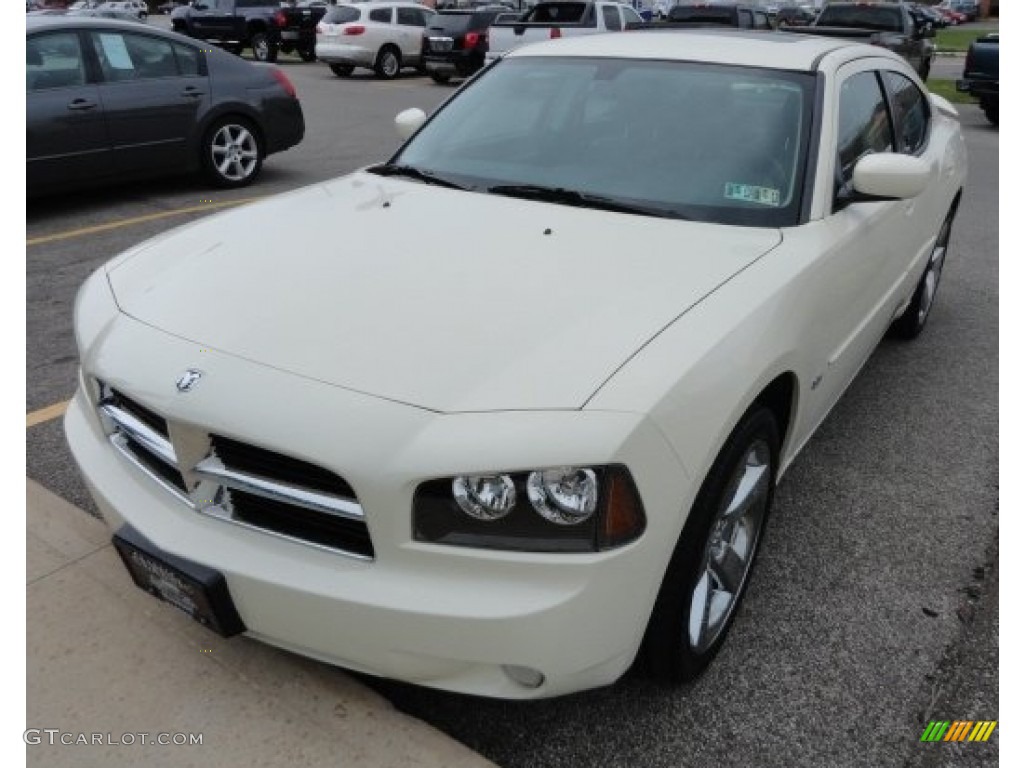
[
  {"x": 33, "y": 23},
  {"x": 770, "y": 49}
]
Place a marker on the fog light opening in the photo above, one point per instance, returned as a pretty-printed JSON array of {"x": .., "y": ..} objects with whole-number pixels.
[{"x": 524, "y": 676}]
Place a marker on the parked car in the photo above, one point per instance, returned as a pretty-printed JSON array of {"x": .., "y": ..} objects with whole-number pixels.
[
  {"x": 154, "y": 103},
  {"x": 135, "y": 8},
  {"x": 561, "y": 18},
  {"x": 981, "y": 75},
  {"x": 455, "y": 43},
  {"x": 692, "y": 15},
  {"x": 889, "y": 25},
  {"x": 381, "y": 36},
  {"x": 609, "y": 380},
  {"x": 794, "y": 16},
  {"x": 261, "y": 25}
]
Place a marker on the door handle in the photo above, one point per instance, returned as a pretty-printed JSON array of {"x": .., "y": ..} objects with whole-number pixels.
[
  {"x": 81, "y": 104},
  {"x": 191, "y": 92}
]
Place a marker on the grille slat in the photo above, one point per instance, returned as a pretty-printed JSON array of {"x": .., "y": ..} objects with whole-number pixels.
[
  {"x": 259, "y": 461},
  {"x": 143, "y": 414},
  {"x": 298, "y": 522}
]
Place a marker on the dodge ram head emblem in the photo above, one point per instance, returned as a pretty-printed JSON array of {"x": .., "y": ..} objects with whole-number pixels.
[{"x": 188, "y": 380}]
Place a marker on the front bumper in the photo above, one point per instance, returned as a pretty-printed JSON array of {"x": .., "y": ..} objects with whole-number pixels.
[{"x": 445, "y": 617}]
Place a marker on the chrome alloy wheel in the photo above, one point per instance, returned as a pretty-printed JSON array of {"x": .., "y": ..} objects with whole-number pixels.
[
  {"x": 932, "y": 274},
  {"x": 235, "y": 152},
  {"x": 730, "y": 547}
]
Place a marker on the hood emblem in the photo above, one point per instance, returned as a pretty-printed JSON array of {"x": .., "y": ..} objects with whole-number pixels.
[{"x": 188, "y": 380}]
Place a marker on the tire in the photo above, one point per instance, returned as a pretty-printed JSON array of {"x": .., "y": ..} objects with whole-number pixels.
[
  {"x": 389, "y": 63},
  {"x": 263, "y": 48},
  {"x": 232, "y": 152},
  {"x": 913, "y": 320},
  {"x": 307, "y": 54},
  {"x": 440, "y": 78},
  {"x": 992, "y": 113},
  {"x": 926, "y": 69},
  {"x": 342, "y": 70},
  {"x": 701, "y": 593}
]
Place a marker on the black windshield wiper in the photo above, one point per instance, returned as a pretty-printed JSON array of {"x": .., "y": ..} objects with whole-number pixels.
[
  {"x": 564, "y": 196},
  {"x": 412, "y": 172}
]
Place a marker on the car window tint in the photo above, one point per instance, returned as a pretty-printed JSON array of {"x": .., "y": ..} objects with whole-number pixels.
[
  {"x": 631, "y": 17},
  {"x": 189, "y": 59},
  {"x": 134, "y": 57},
  {"x": 53, "y": 61},
  {"x": 410, "y": 17},
  {"x": 863, "y": 125},
  {"x": 611, "y": 18},
  {"x": 382, "y": 15},
  {"x": 910, "y": 109},
  {"x": 342, "y": 14}
]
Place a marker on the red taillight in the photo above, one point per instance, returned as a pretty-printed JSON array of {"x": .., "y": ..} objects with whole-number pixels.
[
  {"x": 353, "y": 29},
  {"x": 471, "y": 39},
  {"x": 280, "y": 19},
  {"x": 282, "y": 78},
  {"x": 555, "y": 32}
]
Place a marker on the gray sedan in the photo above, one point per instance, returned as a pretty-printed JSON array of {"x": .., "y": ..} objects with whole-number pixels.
[{"x": 110, "y": 100}]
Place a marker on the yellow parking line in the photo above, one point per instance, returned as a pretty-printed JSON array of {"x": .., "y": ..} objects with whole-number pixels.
[
  {"x": 48, "y": 413},
  {"x": 138, "y": 220}
]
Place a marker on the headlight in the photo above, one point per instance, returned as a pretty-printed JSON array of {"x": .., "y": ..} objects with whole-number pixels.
[{"x": 561, "y": 509}]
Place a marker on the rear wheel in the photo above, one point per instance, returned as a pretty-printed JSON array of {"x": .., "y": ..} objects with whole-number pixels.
[
  {"x": 710, "y": 568},
  {"x": 232, "y": 152},
  {"x": 991, "y": 109},
  {"x": 389, "y": 63},
  {"x": 342, "y": 70},
  {"x": 263, "y": 48},
  {"x": 910, "y": 324}
]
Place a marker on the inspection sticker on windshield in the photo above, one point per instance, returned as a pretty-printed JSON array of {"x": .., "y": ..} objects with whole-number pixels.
[{"x": 748, "y": 193}]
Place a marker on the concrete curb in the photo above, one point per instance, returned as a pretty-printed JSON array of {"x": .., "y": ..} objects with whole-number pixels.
[{"x": 107, "y": 661}]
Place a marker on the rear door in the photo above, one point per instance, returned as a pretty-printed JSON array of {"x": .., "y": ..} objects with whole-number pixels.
[
  {"x": 153, "y": 92},
  {"x": 66, "y": 138}
]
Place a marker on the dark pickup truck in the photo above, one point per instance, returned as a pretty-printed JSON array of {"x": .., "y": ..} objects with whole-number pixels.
[
  {"x": 890, "y": 25},
  {"x": 694, "y": 15},
  {"x": 262, "y": 25},
  {"x": 981, "y": 75}
]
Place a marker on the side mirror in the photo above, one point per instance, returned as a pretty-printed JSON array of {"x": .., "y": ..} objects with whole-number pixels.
[
  {"x": 409, "y": 121},
  {"x": 890, "y": 176}
]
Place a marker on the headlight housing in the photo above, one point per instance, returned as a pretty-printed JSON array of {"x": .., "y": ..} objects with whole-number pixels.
[{"x": 556, "y": 509}]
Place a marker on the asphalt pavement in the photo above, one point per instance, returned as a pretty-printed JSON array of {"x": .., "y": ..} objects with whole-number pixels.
[{"x": 874, "y": 604}]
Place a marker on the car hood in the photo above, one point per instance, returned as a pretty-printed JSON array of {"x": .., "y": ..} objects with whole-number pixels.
[{"x": 447, "y": 300}]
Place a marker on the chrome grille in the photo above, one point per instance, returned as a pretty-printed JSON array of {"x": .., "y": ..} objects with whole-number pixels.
[{"x": 242, "y": 483}]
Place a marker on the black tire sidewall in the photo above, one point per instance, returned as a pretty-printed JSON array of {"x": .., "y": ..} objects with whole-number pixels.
[
  {"x": 271, "y": 55},
  {"x": 666, "y": 646},
  {"x": 381, "y": 57},
  {"x": 910, "y": 324}
]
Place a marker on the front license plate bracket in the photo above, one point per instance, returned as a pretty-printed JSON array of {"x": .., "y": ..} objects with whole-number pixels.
[{"x": 196, "y": 590}]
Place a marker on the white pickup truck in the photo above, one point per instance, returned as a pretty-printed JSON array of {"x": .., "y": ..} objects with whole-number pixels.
[{"x": 559, "y": 18}]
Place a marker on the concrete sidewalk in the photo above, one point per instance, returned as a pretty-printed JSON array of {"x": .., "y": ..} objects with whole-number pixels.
[{"x": 106, "y": 658}]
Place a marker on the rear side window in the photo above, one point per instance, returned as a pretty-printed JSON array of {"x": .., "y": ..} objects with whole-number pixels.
[
  {"x": 561, "y": 13},
  {"x": 382, "y": 15},
  {"x": 611, "y": 18},
  {"x": 341, "y": 14},
  {"x": 53, "y": 61},
  {"x": 910, "y": 112},
  {"x": 863, "y": 122},
  {"x": 134, "y": 57}
]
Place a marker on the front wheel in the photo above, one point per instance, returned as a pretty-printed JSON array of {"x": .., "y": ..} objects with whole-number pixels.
[
  {"x": 710, "y": 568},
  {"x": 263, "y": 48},
  {"x": 910, "y": 324},
  {"x": 389, "y": 63},
  {"x": 232, "y": 152},
  {"x": 342, "y": 70}
]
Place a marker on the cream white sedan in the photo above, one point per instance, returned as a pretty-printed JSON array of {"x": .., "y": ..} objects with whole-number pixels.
[{"x": 512, "y": 462}]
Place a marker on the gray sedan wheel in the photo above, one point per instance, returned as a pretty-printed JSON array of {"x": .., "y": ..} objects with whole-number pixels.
[{"x": 232, "y": 152}]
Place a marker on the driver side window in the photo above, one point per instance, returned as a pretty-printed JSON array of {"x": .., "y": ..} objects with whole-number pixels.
[{"x": 863, "y": 126}]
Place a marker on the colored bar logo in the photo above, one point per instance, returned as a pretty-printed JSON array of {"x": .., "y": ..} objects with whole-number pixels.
[{"x": 959, "y": 730}]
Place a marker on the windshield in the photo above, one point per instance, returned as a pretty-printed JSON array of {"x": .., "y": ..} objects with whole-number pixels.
[{"x": 706, "y": 142}]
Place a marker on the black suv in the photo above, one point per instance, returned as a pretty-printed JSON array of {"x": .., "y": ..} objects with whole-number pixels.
[{"x": 455, "y": 42}]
